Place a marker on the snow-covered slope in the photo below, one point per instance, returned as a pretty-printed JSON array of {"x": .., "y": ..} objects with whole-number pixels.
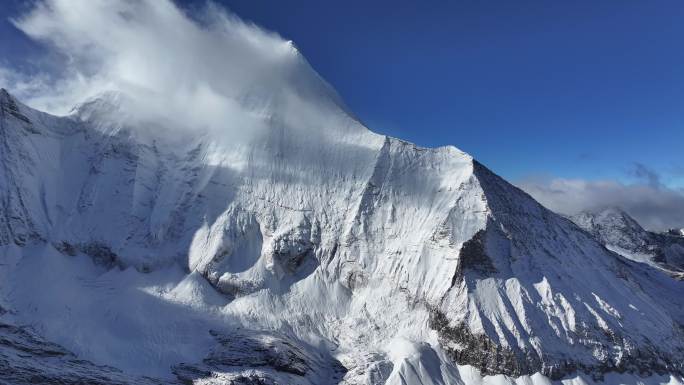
[
  {"x": 313, "y": 251},
  {"x": 622, "y": 234},
  {"x": 26, "y": 358}
]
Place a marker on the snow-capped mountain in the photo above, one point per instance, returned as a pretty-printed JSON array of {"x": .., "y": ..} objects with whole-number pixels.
[
  {"x": 314, "y": 251},
  {"x": 622, "y": 234},
  {"x": 679, "y": 232}
]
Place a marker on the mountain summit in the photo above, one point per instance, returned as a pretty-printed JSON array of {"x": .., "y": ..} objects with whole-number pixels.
[
  {"x": 312, "y": 251},
  {"x": 620, "y": 233}
]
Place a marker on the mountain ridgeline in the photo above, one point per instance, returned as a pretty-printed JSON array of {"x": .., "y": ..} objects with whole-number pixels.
[{"x": 300, "y": 256}]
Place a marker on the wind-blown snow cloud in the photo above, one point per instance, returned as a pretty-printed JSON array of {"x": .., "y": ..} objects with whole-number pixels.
[
  {"x": 208, "y": 70},
  {"x": 654, "y": 205}
]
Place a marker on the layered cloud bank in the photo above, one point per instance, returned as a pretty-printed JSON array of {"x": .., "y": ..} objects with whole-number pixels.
[{"x": 654, "y": 205}]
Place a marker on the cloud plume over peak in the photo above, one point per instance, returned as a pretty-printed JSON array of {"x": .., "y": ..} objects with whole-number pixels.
[{"x": 209, "y": 70}]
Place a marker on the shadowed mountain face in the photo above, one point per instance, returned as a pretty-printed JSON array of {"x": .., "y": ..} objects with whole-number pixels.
[
  {"x": 622, "y": 234},
  {"x": 26, "y": 358},
  {"x": 307, "y": 255}
]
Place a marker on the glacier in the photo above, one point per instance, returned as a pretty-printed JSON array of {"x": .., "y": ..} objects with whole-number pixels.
[{"x": 310, "y": 250}]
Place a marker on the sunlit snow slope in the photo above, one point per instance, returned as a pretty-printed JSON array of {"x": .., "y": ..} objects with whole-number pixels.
[{"x": 311, "y": 251}]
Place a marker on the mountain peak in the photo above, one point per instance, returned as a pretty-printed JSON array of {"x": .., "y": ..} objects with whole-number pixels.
[
  {"x": 10, "y": 106},
  {"x": 101, "y": 104},
  {"x": 361, "y": 248},
  {"x": 5, "y": 96},
  {"x": 610, "y": 216},
  {"x": 621, "y": 233}
]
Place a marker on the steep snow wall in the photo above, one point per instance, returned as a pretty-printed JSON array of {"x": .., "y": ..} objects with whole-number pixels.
[{"x": 364, "y": 248}]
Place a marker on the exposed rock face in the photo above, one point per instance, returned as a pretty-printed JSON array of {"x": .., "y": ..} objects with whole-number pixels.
[
  {"x": 100, "y": 253},
  {"x": 272, "y": 359},
  {"x": 480, "y": 351},
  {"x": 473, "y": 255},
  {"x": 292, "y": 249}
]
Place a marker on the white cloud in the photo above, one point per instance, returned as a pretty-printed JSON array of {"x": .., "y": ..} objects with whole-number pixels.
[
  {"x": 652, "y": 204},
  {"x": 211, "y": 70}
]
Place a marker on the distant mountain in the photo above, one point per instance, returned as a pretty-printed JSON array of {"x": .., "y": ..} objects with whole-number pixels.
[
  {"x": 678, "y": 232},
  {"x": 306, "y": 254},
  {"x": 622, "y": 234}
]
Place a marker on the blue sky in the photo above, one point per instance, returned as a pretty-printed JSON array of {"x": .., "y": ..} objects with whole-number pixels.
[
  {"x": 576, "y": 90},
  {"x": 571, "y": 89}
]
